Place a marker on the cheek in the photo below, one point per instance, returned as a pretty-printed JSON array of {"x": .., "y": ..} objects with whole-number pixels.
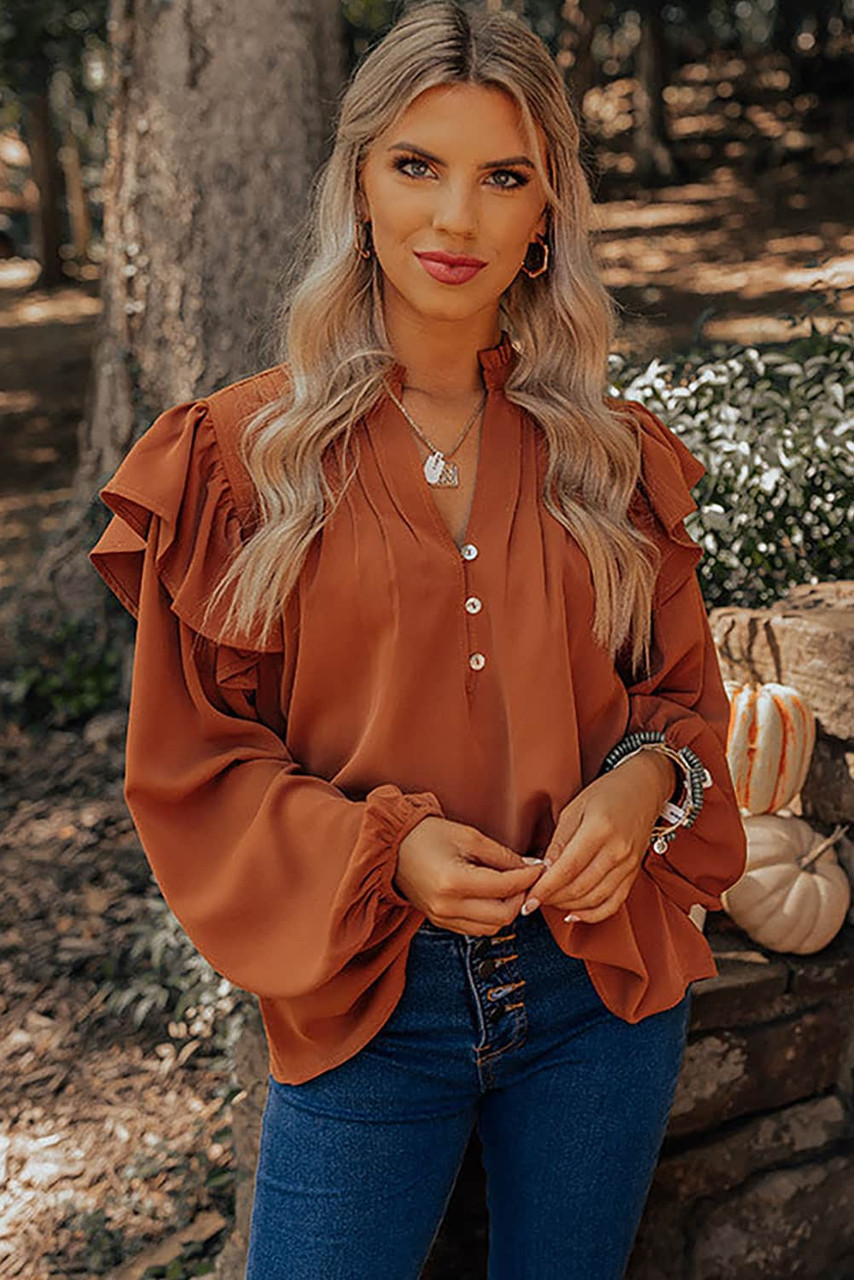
[
  {"x": 516, "y": 226},
  {"x": 505, "y": 223},
  {"x": 397, "y": 211}
]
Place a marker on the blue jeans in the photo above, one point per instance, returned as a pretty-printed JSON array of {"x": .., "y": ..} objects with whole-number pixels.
[{"x": 356, "y": 1167}]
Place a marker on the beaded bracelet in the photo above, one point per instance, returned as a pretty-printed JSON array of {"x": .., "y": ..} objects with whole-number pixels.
[{"x": 695, "y": 780}]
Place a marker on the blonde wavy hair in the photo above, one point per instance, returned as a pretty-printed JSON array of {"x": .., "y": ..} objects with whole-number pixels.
[{"x": 333, "y": 344}]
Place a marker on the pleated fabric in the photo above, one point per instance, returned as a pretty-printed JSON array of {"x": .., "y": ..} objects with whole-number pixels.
[{"x": 271, "y": 783}]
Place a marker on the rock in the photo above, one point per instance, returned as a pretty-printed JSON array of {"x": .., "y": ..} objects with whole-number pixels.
[
  {"x": 660, "y": 1250},
  {"x": 719, "y": 1165},
  {"x": 106, "y": 726},
  {"x": 805, "y": 639},
  {"x": 845, "y": 853},
  {"x": 790, "y": 1222},
  {"x": 731, "y": 1073},
  {"x": 742, "y": 990},
  {"x": 827, "y": 795}
]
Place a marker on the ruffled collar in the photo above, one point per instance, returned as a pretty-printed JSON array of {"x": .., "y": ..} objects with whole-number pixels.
[{"x": 495, "y": 364}]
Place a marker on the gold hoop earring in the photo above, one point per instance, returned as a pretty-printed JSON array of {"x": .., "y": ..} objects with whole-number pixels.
[
  {"x": 363, "y": 253},
  {"x": 539, "y": 271}
]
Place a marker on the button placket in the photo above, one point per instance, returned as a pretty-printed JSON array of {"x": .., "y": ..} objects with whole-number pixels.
[
  {"x": 473, "y": 606},
  {"x": 498, "y": 987}
]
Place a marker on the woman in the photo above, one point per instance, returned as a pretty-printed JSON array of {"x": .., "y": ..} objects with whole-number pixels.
[{"x": 427, "y": 733}]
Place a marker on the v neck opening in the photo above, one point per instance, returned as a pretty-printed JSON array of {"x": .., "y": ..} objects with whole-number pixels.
[
  {"x": 497, "y": 467},
  {"x": 425, "y": 487}
]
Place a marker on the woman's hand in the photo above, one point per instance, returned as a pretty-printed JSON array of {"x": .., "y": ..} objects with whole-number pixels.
[
  {"x": 460, "y": 878},
  {"x": 601, "y": 836}
]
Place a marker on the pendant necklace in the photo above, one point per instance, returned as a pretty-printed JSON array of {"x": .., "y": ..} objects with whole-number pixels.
[{"x": 438, "y": 469}]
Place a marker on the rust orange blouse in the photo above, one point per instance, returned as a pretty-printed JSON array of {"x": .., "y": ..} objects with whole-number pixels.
[{"x": 271, "y": 788}]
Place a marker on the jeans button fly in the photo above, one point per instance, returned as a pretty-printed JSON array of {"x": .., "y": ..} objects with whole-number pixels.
[{"x": 486, "y": 967}]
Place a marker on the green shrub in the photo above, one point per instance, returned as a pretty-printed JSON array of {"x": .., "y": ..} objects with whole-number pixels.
[
  {"x": 157, "y": 977},
  {"x": 62, "y": 672},
  {"x": 774, "y": 428}
]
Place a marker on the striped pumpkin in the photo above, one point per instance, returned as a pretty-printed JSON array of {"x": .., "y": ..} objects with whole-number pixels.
[{"x": 769, "y": 744}]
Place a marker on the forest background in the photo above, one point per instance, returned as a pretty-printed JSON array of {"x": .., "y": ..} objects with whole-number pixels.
[{"x": 719, "y": 146}]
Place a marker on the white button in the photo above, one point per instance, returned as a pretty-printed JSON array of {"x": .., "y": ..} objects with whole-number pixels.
[
  {"x": 473, "y": 604},
  {"x": 469, "y": 550},
  {"x": 476, "y": 661}
]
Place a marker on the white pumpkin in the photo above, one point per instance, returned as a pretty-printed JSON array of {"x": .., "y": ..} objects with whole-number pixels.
[
  {"x": 793, "y": 895},
  {"x": 697, "y": 915},
  {"x": 769, "y": 744}
]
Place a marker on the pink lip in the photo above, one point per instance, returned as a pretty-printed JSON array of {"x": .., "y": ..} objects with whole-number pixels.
[
  {"x": 449, "y": 270},
  {"x": 452, "y": 259}
]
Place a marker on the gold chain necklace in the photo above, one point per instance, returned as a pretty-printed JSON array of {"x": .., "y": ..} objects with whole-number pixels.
[{"x": 438, "y": 470}]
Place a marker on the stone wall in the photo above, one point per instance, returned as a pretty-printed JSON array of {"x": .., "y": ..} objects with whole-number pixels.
[{"x": 756, "y": 1176}]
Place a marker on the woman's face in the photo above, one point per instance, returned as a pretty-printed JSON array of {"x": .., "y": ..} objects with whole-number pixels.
[{"x": 431, "y": 184}]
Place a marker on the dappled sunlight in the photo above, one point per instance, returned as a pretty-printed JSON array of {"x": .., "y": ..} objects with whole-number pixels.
[
  {"x": 18, "y": 273},
  {"x": 745, "y": 255},
  {"x": 17, "y": 401},
  {"x": 46, "y": 343},
  {"x": 767, "y": 328},
  {"x": 26, "y": 521},
  {"x": 627, "y": 215},
  {"x": 68, "y": 305}
]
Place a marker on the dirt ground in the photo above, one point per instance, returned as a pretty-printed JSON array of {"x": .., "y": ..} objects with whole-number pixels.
[{"x": 116, "y": 1138}]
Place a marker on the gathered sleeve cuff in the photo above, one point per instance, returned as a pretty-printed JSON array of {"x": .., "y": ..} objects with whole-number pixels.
[
  {"x": 280, "y": 879},
  {"x": 684, "y": 698},
  {"x": 646, "y": 951}
]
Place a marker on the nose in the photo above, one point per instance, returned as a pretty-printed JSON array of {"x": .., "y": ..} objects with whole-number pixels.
[{"x": 456, "y": 211}]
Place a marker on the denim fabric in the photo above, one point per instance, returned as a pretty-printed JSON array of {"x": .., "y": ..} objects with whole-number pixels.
[{"x": 356, "y": 1167}]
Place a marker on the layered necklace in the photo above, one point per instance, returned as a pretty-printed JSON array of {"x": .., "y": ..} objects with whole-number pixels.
[{"x": 438, "y": 469}]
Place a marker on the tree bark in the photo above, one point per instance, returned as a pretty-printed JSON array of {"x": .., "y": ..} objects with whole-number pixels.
[
  {"x": 69, "y": 157},
  {"x": 219, "y": 121},
  {"x": 583, "y": 17},
  {"x": 44, "y": 158},
  {"x": 651, "y": 146}
]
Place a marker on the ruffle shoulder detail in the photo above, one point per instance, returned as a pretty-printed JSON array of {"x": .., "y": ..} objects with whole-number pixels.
[
  {"x": 182, "y": 491},
  {"x": 662, "y": 498}
]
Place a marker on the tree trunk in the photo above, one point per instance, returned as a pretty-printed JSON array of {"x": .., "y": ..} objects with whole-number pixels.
[
  {"x": 583, "y": 17},
  {"x": 220, "y": 119},
  {"x": 44, "y": 158},
  {"x": 651, "y": 147},
  {"x": 217, "y": 127},
  {"x": 69, "y": 157},
  {"x": 78, "y": 208}
]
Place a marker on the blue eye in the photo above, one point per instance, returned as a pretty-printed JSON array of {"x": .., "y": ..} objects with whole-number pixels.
[{"x": 402, "y": 163}]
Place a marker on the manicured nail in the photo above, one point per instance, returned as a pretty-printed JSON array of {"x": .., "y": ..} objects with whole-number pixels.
[
  {"x": 572, "y": 917},
  {"x": 532, "y": 861},
  {"x": 529, "y": 906}
]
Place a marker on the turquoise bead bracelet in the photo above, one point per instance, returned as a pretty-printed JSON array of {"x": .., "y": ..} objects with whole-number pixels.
[{"x": 696, "y": 778}]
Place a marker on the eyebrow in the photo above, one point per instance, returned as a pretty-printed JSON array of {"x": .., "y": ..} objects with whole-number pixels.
[{"x": 490, "y": 164}]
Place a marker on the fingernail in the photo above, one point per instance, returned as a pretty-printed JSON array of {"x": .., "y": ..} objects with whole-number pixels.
[
  {"x": 572, "y": 917},
  {"x": 532, "y": 861},
  {"x": 529, "y": 906}
]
